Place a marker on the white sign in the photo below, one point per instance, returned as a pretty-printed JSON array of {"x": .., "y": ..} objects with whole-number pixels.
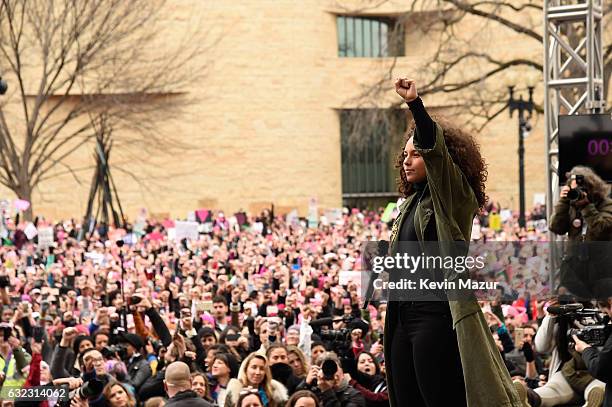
[
  {"x": 345, "y": 277},
  {"x": 293, "y": 217},
  {"x": 539, "y": 199},
  {"x": 30, "y": 231},
  {"x": 96, "y": 258},
  {"x": 45, "y": 237},
  {"x": 185, "y": 230},
  {"x": 257, "y": 227},
  {"x": 505, "y": 214},
  {"x": 313, "y": 213},
  {"x": 334, "y": 215}
]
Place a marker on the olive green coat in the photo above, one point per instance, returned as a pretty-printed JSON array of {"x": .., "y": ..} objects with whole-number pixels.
[{"x": 452, "y": 200}]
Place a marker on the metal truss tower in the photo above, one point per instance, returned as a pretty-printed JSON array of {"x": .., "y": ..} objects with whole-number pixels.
[{"x": 573, "y": 80}]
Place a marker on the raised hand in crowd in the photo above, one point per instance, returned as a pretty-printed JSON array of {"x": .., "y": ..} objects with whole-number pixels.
[{"x": 68, "y": 336}]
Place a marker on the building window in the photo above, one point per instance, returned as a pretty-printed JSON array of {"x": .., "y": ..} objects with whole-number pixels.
[
  {"x": 371, "y": 140},
  {"x": 370, "y": 37}
]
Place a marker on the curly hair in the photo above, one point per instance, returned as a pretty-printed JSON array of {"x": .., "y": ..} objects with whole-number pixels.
[
  {"x": 465, "y": 152},
  {"x": 597, "y": 189}
]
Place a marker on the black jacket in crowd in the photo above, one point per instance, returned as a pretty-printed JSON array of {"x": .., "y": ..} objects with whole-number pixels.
[
  {"x": 345, "y": 396},
  {"x": 599, "y": 364},
  {"x": 187, "y": 398},
  {"x": 138, "y": 371}
]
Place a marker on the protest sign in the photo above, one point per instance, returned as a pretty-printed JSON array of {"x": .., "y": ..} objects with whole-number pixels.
[
  {"x": 388, "y": 213},
  {"x": 45, "y": 237},
  {"x": 185, "y": 230}
]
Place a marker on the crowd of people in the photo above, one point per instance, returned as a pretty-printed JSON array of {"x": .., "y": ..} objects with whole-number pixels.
[{"x": 255, "y": 312}]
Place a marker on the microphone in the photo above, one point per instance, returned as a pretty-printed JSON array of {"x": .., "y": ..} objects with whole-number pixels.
[
  {"x": 322, "y": 322},
  {"x": 382, "y": 250},
  {"x": 564, "y": 309},
  {"x": 329, "y": 320}
]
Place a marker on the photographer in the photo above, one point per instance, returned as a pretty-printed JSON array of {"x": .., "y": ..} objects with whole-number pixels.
[
  {"x": 568, "y": 379},
  {"x": 584, "y": 212},
  {"x": 327, "y": 380},
  {"x": 138, "y": 367},
  {"x": 599, "y": 362}
]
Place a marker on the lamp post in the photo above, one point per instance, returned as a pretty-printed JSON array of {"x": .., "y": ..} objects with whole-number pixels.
[
  {"x": 125, "y": 304},
  {"x": 524, "y": 128}
]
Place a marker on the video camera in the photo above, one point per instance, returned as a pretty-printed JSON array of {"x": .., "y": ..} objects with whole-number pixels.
[
  {"x": 592, "y": 327},
  {"x": 337, "y": 339},
  {"x": 333, "y": 335}
]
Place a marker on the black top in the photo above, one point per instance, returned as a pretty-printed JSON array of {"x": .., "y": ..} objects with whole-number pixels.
[{"x": 407, "y": 230}]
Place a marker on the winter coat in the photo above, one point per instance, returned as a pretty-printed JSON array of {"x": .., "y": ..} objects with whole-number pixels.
[
  {"x": 451, "y": 200},
  {"x": 585, "y": 268},
  {"x": 139, "y": 371},
  {"x": 187, "y": 398},
  {"x": 599, "y": 363}
]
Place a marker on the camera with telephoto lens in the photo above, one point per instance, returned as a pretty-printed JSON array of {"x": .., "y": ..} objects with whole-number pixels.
[
  {"x": 590, "y": 324},
  {"x": 338, "y": 339},
  {"x": 329, "y": 367},
  {"x": 335, "y": 335},
  {"x": 338, "y": 336},
  {"x": 90, "y": 390},
  {"x": 110, "y": 352},
  {"x": 575, "y": 194}
]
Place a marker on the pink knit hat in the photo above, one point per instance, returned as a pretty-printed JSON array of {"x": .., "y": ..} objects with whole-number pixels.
[{"x": 208, "y": 319}]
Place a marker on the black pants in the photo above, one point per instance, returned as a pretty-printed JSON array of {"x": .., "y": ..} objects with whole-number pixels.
[{"x": 426, "y": 364}]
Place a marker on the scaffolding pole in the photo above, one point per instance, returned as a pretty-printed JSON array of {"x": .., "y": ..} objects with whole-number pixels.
[{"x": 573, "y": 83}]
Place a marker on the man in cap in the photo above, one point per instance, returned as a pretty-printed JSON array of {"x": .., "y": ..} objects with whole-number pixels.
[
  {"x": 138, "y": 367},
  {"x": 177, "y": 383}
]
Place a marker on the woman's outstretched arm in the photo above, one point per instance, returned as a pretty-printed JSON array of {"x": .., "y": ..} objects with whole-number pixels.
[
  {"x": 426, "y": 129},
  {"x": 425, "y": 134}
]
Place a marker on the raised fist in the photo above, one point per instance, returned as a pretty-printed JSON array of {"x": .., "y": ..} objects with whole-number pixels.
[{"x": 406, "y": 88}]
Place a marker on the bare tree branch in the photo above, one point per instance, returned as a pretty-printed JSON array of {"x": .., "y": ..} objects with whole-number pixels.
[
  {"x": 465, "y": 65},
  {"x": 471, "y": 9},
  {"x": 84, "y": 57}
]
